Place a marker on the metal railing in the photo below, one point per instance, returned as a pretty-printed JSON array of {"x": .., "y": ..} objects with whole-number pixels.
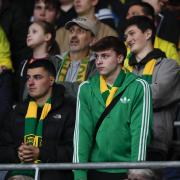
[{"x": 109, "y": 165}]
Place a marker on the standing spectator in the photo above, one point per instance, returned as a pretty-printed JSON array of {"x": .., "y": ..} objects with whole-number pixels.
[
  {"x": 5, "y": 77},
  {"x": 40, "y": 129},
  {"x": 41, "y": 39},
  {"x": 84, "y": 8},
  {"x": 46, "y": 10},
  {"x": 122, "y": 134},
  {"x": 15, "y": 25},
  {"x": 67, "y": 12},
  {"x": 166, "y": 22},
  {"x": 77, "y": 64},
  {"x": 163, "y": 76},
  {"x": 145, "y": 9}
]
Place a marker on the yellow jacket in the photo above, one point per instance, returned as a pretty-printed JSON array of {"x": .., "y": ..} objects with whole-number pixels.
[
  {"x": 5, "y": 55},
  {"x": 167, "y": 47}
]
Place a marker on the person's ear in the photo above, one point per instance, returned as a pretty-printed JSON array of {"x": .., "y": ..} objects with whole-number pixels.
[
  {"x": 120, "y": 59},
  {"x": 148, "y": 34},
  {"x": 52, "y": 80},
  {"x": 48, "y": 37}
]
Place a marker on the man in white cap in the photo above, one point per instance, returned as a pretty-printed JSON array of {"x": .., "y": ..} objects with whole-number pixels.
[{"x": 77, "y": 64}]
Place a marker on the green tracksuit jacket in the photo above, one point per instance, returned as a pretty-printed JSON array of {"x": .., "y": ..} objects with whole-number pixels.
[{"x": 123, "y": 134}]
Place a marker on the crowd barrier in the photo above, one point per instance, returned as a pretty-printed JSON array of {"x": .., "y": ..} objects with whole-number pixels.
[{"x": 108, "y": 165}]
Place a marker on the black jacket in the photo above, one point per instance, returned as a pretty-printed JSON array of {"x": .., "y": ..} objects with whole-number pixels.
[{"x": 58, "y": 128}]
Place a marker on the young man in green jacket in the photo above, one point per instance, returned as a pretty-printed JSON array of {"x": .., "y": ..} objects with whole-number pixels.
[{"x": 124, "y": 133}]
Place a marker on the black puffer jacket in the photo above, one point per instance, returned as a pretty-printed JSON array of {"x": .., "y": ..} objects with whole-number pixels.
[{"x": 58, "y": 128}]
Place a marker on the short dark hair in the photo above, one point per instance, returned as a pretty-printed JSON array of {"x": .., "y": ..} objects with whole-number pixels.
[
  {"x": 55, "y": 4},
  {"x": 148, "y": 10},
  {"x": 44, "y": 63},
  {"x": 143, "y": 23},
  {"x": 110, "y": 42}
]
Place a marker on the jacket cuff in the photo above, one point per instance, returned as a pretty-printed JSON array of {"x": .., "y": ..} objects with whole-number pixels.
[{"x": 80, "y": 175}]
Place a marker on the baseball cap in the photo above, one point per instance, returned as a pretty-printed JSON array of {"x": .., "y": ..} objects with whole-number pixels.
[{"x": 83, "y": 23}]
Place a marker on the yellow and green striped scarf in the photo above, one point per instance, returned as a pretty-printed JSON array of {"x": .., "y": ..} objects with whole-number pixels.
[
  {"x": 81, "y": 71},
  {"x": 33, "y": 126},
  {"x": 147, "y": 71},
  {"x": 109, "y": 92},
  {"x": 33, "y": 131}
]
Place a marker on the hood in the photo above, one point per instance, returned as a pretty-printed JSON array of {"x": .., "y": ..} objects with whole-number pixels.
[{"x": 155, "y": 54}]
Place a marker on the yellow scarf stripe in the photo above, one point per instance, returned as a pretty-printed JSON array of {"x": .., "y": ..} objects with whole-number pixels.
[
  {"x": 103, "y": 88},
  {"x": 32, "y": 110},
  {"x": 81, "y": 71},
  {"x": 103, "y": 85},
  {"x": 149, "y": 67},
  {"x": 45, "y": 111},
  {"x": 111, "y": 95}
]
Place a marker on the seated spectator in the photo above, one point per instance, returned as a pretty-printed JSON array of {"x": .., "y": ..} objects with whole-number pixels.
[
  {"x": 77, "y": 64},
  {"x": 40, "y": 129},
  {"x": 145, "y": 9},
  {"x": 163, "y": 76},
  {"x": 84, "y": 9},
  {"x": 41, "y": 39}
]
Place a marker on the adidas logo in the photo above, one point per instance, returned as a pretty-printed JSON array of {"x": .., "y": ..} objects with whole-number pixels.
[
  {"x": 57, "y": 116},
  {"x": 125, "y": 100}
]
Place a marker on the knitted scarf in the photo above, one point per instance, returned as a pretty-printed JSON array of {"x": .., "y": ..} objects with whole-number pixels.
[
  {"x": 33, "y": 126},
  {"x": 147, "y": 71},
  {"x": 81, "y": 71},
  {"x": 107, "y": 91},
  {"x": 33, "y": 131},
  {"x": 148, "y": 62}
]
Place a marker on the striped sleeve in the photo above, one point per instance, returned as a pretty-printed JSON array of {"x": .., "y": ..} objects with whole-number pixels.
[{"x": 141, "y": 121}]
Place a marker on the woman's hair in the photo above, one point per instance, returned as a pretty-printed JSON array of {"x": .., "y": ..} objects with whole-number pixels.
[{"x": 47, "y": 27}]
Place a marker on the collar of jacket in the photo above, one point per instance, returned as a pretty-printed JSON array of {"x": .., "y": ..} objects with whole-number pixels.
[
  {"x": 56, "y": 101},
  {"x": 95, "y": 84},
  {"x": 155, "y": 54}
]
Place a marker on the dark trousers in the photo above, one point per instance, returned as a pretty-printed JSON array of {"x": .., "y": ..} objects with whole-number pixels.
[{"x": 96, "y": 175}]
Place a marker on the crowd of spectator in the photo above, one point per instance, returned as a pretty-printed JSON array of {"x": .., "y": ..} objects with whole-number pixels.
[{"x": 89, "y": 81}]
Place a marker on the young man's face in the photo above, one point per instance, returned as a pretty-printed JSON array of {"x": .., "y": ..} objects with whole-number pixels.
[
  {"x": 39, "y": 83},
  {"x": 45, "y": 12},
  {"x": 134, "y": 10},
  {"x": 84, "y": 6},
  {"x": 135, "y": 39},
  {"x": 108, "y": 62},
  {"x": 35, "y": 36},
  {"x": 79, "y": 38}
]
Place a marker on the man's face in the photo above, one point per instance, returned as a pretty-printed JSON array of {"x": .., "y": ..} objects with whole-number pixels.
[
  {"x": 135, "y": 39},
  {"x": 134, "y": 11},
  {"x": 45, "y": 12},
  {"x": 39, "y": 83},
  {"x": 79, "y": 38},
  {"x": 84, "y": 6},
  {"x": 107, "y": 62},
  {"x": 156, "y": 4}
]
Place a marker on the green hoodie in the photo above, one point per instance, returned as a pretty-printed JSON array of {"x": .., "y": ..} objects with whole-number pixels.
[{"x": 123, "y": 134}]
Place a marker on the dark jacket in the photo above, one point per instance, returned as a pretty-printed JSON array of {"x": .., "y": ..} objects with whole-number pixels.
[{"x": 57, "y": 135}]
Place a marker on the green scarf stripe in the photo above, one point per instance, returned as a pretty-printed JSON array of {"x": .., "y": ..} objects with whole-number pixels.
[
  {"x": 33, "y": 131},
  {"x": 148, "y": 78}
]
